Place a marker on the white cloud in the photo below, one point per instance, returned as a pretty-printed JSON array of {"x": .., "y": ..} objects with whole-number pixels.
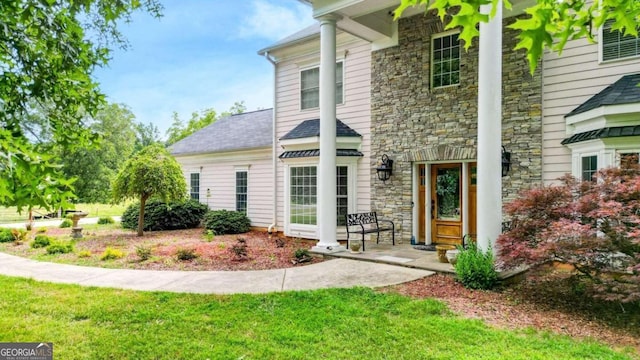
[{"x": 274, "y": 22}]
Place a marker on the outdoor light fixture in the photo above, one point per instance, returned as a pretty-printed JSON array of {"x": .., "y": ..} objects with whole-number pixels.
[
  {"x": 385, "y": 169},
  {"x": 506, "y": 161}
]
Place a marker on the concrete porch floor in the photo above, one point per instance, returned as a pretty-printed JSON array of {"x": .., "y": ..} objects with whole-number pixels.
[{"x": 400, "y": 254}]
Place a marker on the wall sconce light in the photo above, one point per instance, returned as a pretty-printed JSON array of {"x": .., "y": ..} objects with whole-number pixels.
[
  {"x": 385, "y": 169},
  {"x": 506, "y": 161}
]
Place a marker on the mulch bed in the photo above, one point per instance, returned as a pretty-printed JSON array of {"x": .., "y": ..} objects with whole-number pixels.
[{"x": 542, "y": 301}]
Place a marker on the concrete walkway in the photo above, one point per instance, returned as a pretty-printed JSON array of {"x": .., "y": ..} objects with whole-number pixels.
[{"x": 337, "y": 273}]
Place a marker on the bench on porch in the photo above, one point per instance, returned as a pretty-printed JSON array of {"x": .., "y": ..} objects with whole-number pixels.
[{"x": 368, "y": 223}]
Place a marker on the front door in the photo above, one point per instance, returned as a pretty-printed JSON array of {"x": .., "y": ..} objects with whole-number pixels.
[{"x": 446, "y": 204}]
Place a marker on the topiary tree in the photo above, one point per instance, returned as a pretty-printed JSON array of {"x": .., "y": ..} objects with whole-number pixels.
[
  {"x": 150, "y": 172},
  {"x": 593, "y": 226}
]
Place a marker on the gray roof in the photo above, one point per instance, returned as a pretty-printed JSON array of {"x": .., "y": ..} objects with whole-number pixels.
[
  {"x": 300, "y": 36},
  {"x": 623, "y": 91},
  {"x": 311, "y": 128},
  {"x": 316, "y": 152},
  {"x": 244, "y": 131},
  {"x": 608, "y": 132}
]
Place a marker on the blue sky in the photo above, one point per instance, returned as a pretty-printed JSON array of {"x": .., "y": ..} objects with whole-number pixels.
[{"x": 202, "y": 54}]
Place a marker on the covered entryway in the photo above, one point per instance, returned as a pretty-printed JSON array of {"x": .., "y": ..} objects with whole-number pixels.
[{"x": 446, "y": 195}]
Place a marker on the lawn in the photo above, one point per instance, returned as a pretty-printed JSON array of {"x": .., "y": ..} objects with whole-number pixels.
[
  {"x": 11, "y": 214},
  {"x": 95, "y": 323}
]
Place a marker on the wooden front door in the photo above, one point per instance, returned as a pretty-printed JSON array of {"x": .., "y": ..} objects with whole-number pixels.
[
  {"x": 422, "y": 193},
  {"x": 446, "y": 204}
]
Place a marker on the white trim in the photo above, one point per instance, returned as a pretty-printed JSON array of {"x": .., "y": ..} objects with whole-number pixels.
[
  {"x": 311, "y": 67},
  {"x": 601, "y": 60},
  {"x": 431, "y": 67},
  {"x": 311, "y": 231},
  {"x": 239, "y": 169}
]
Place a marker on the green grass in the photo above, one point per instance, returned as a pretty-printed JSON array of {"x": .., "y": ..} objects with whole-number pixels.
[
  {"x": 10, "y": 214},
  {"x": 94, "y": 323}
]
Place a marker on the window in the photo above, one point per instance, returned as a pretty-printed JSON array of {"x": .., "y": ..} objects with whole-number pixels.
[
  {"x": 589, "y": 167},
  {"x": 241, "y": 191},
  {"x": 194, "y": 192},
  {"x": 615, "y": 45},
  {"x": 310, "y": 87},
  {"x": 445, "y": 60},
  {"x": 342, "y": 202},
  {"x": 303, "y": 195}
]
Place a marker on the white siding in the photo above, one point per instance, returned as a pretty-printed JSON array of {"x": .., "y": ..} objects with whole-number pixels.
[
  {"x": 218, "y": 174},
  {"x": 568, "y": 81},
  {"x": 355, "y": 111}
]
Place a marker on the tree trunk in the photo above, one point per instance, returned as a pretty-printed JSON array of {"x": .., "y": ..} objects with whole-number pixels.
[{"x": 143, "y": 200}]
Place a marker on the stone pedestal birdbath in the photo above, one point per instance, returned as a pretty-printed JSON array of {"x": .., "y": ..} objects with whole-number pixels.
[{"x": 76, "y": 231}]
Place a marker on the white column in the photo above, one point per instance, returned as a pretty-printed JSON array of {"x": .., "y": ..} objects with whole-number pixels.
[
  {"x": 326, "y": 206},
  {"x": 490, "y": 129}
]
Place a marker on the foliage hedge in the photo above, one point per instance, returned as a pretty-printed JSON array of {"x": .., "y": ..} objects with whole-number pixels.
[
  {"x": 227, "y": 222},
  {"x": 159, "y": 215}
]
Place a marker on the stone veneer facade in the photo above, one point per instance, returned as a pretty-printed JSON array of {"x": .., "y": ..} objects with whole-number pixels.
[{"x": 413, "y": 123}]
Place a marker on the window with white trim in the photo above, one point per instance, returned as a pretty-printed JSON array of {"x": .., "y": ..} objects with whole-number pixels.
[
  {"x": 241, "y": 191},
  {"x": 310, "y": 87},
  {"x": 445, "y": 60},
  {"x": 615, "y": 45},
  {"x": 303, "y": 195},
  {"x": 194, "y": 188},
  {"x": 589, "y": 167}
]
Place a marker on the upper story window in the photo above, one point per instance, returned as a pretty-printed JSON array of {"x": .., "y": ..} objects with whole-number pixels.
[
  {"x": 615, "y": 45},
  {"x": 445, "y": 60},
  {"x": 310, "y": 87}
]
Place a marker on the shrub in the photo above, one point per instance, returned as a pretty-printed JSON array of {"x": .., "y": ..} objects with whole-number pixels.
[
  {"x": 5, "y": 235},
  {"x": 111, "y": 254},
  {"x": 143, "y": 252},
  {"x": 209, "y": 235},
  {"x": 227, "y": 222},
  {"x": 593, "y": 226},
  {"x": 183, "y": 254},
  {"x": 159, "y": 215},
  {"x": 41, "y": 241},
  {"x": 239, "y": 249},
  {"x": 19, "y": 235},
  {"x": 66, "y": 223},
  {"x": 106, "y": 220},
  {"x": 475, "y": 269},
  {"x": 60, "y": 248},
  {"x": 41, "y": 230},
  {"x": 84, "y": 254}
]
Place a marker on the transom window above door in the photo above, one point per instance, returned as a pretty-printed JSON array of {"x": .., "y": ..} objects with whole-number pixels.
[{"x": 310, "y": 87}]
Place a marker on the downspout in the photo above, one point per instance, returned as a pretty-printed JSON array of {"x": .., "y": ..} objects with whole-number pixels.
[{"x": 274, "y": 223}]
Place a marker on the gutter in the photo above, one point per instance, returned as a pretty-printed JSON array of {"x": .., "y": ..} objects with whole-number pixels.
[{"x": 274, "y": 223}]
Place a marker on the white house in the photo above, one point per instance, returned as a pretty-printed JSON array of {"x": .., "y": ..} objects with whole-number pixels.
[{"x": 467, "y": 130}]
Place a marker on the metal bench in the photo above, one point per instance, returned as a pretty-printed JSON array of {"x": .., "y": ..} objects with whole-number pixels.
[{"x": 368, "y": 223}]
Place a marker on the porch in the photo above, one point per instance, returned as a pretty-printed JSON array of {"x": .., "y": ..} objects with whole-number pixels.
[{"x": 400, "y": 255}]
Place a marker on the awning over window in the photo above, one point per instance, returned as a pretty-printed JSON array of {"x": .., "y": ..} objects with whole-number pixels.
[
  {"x": 316, "y": 152},
  {"x": 608, "y": 132}
]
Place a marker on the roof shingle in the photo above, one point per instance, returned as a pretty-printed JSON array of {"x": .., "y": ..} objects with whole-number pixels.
[
  {"x": 244, "y": 131},
  {"x": 623, "y": 91},
  {"x": 311, "y": 128}
]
